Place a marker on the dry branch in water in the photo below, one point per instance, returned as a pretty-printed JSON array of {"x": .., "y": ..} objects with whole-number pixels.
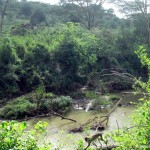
[
  {"x": 51, "y": 113},
  {"x": 62, "y": 117},
  {"x": 96, "y": 123}
]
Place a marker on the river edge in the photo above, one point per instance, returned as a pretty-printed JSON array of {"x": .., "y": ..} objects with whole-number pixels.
[{"x": 58, "y": 129}]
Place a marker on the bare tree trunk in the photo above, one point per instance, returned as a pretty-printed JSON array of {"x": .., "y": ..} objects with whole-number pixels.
[
  {"x": 148, "y": 30},
  {"x": 148, "y": 27},
  {"x": 1, "y": 22},
  {"x": 149, "y": 35},
  {"x": 147, "y": 19},
  {"x": 2, "y": 14}
]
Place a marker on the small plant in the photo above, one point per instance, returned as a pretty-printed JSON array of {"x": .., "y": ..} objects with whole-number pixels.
[
  {"x": 61, "y": 102},
  {"x": 80, "y": 145},
  {"x": 91, "y": 95},
  {"x": 103, "y": 100},
  {"x": 14, "y": 136}
]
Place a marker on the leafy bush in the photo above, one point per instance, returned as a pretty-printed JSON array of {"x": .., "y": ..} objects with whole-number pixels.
[
  {"x": 14, "y": 136},
  {"x": 91, "y": 95},
  {"x": 17, "y": 108},
  {"x": 137, "y": 136},
  {"x": 102, "y": 100},
  {"x": 58, "y": 103},
  {"x": 31, "y": 104}
]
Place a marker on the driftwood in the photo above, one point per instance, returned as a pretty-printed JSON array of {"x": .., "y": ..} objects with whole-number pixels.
[
  {"x": 51, "y": 113},
  {"x": 108, "y": 115},
  {"x": 81, "y": 127},
  {"x": 62, "y": 117},
  {"x": 96, "y": 123}
]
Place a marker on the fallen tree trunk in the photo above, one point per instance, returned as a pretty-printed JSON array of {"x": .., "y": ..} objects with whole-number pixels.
[
  {"x": 62, "y": 117},
  {"x": 51, "y": 113}
]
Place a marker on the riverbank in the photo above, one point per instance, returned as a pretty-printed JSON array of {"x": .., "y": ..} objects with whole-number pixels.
[
  {"x": 36, "y": 104},
  {"x": 58, "y": 129},
  {"x": 31, "y": 105}
]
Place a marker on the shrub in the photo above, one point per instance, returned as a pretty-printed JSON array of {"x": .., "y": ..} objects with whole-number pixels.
[
  {"x": 137, "y": 136},
  {"x": 102, "y": 100},
  {"x": 30, "y": 105},
  {"x": 58, "y": 103},
  {"x": 13, "y": 136},
  {"x": 17, "y": 108},
  {"x": 91, "y": 95}
]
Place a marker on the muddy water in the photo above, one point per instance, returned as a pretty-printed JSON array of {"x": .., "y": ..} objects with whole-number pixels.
[{"x": 58, "y": 129}]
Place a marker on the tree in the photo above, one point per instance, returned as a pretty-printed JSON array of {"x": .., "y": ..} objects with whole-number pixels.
[
  {"x": 89, "y": 10},
  {"x": 38, "y": 17},
  {"x": 8, "y": 67},
  {"x": 3, "y": 7},
  {"x": 26, "y": 9},
  {"x": 134, "y": 8}
]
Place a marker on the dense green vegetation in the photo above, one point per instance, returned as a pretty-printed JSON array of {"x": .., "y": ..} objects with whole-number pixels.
[
  {"x": 13, "y": 133},
  {"x": 29, "y": 106},
  {"x": 137, "y": 136},
  {"x": 66, "y": 56},
  {"x": 50, "y": 51}
]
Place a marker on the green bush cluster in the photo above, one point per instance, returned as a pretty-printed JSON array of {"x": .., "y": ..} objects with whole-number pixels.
[
  {"x": 97, "y": 99},
  {"x": 102, "y": 100},
  {"x": 57, "y": 104},
  {"x": 137, "y": 136},
  {"x": 14, "y": 136},
  {"x": 17, "y": 108},
  {"x": 26, "y": 106}
]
